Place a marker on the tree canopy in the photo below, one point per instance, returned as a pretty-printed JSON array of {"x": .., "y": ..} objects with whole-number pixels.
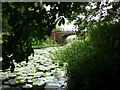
[{"x": 25, "y": 21}]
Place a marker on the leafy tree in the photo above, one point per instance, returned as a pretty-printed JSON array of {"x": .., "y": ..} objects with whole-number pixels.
[
  {"x": 24, "y": 22},
  {"x": 94, "y": 12},
  {"x": 27, "y": 20}
]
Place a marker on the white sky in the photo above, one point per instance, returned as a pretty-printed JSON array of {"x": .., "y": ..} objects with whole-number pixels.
[{"x": 68, "y": 26}]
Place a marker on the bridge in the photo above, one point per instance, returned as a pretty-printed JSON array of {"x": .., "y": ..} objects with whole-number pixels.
[{"x": 60, "y": 36}]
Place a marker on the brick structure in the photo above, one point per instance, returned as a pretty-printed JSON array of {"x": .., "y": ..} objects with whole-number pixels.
[{"x": 60, "y": 36}]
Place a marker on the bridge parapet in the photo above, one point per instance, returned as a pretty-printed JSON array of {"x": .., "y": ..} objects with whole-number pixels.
[{"x": 60, "y": 36}]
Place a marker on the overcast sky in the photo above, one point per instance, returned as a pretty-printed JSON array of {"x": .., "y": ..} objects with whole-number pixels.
[{"x": 68, "y": 26}]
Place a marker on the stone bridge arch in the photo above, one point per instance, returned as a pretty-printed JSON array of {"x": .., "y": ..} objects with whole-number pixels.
[{"x": 60, "y": 36}]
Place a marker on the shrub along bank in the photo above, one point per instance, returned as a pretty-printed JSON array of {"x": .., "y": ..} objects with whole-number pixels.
[
  {"x": 94, "y": 64},
  {"x": 49, "y": 42}
]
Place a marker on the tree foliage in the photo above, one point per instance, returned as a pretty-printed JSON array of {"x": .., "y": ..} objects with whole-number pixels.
[
  {"x": 24, "y": 21},
  {"x": 27, "y": 20},
  {"x": 94, "y": 12}
]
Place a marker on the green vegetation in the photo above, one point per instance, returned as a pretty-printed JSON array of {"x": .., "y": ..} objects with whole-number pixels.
[
  {"x": 41, "y": 70},
  {"x": 25, "y": 22},
  {"x": 57, "y": 28},
  {"x": 93, "y": 61},
  {"x": 49, "y": 42},
  {"x": 93, "y": 64}
]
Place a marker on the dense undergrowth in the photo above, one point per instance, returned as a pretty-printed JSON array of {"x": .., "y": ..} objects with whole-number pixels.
[{"x": 94, "y": 64}]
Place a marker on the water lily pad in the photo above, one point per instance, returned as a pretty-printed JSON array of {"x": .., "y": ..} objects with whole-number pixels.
[
  {"x": 30, "y": 74},
  {"x": 50, "y": 79},
  {"x": 21, "y": 81},
  {"x": 12, "y": 81},
  {"x": 6, "y": 82},
  {"x": 30, "y": 77},
  {"x": 41, "y": 69},
  {"x": 48, "y": 73},
  {"x": 23, "y": 75},
  {"x": 30, "y": 81},
  {"x": 27, "y": 86},
  {"x": 5, "y": 86},
  {"x": 38, "y": 82}
]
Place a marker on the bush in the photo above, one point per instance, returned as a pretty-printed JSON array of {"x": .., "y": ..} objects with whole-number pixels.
[
  {"x": 44, "y": 43},
  {"x": 94, "y": 64}
]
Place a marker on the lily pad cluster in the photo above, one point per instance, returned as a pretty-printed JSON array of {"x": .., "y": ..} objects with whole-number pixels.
[{"x": 41, "y": 70}]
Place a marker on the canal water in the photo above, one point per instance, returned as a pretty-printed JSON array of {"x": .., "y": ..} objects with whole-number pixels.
[{"x": 42, "y": 72}]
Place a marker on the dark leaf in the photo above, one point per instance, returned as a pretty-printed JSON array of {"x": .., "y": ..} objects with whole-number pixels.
[{"x": 12, "y": 67}]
